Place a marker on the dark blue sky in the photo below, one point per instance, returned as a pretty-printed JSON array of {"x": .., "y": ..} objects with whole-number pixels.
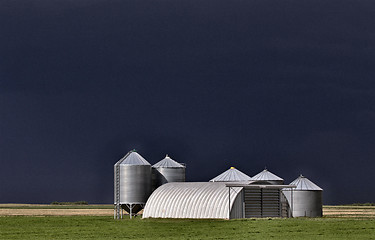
[{"x": 286, "y": 84}]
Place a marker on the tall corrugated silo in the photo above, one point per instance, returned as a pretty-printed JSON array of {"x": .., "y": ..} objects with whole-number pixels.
[
  {"x": 132, "y": 182},
  {"x": 231, "y": 175},
  {"x": 269, "y": 177},
  {"x": 306, "y": 199},
  {"x": 167, "y": 170}
]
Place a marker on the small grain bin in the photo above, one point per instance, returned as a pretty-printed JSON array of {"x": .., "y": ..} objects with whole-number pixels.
[
  {"x": 132, "y": 183},
  {"x": 306, "y": 199},
  {"x": 231, "y": 175},
  {"x": 269, "y": 177},
  {"x": 167, "y": 170}
]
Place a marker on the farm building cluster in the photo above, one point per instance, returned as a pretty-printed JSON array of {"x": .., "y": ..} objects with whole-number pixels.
[{"x": 161, "y": 191}]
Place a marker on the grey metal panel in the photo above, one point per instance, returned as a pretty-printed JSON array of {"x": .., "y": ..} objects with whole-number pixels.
[
  {"x": 262, "y": 202},
  {"x": 268, "y": 182},
  {"x": 231, "y": 175},
  {"x": 191, "y": 200},
  {"x": 285, "y": 207},
  {"x": 135, "y": 183},
  {"x": 305, "y": 203},
  {"x": 237, "y": 210},
  {"x": 306, "y": 199},
  {"x": 164, "y": 175},
  {"x": 253, "y": 203}
]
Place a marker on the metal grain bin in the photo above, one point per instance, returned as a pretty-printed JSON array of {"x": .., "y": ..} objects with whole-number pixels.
[
  {"x": 269, "y": 177},
  {"x": 306, "y": 199},
  {"x": 132, "y": 183},
  {"x": 231, "y": 175},
  {"x": 167, "y": 170}
]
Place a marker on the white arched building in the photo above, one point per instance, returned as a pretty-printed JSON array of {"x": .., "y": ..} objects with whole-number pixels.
[{"x": 216, "y": 200}]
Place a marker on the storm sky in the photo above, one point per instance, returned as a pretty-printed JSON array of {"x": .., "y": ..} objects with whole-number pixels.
[{"x": 283, "y": 84}]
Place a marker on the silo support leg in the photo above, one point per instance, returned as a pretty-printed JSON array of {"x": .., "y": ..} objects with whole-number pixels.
[{"x": 130, "y": 209}]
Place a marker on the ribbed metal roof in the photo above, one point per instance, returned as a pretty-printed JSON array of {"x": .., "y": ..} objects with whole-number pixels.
[
  {"x": 168, "y": 162},
  {"x": 190, "y": 200},
  {"x": 133, "y": 158},
  {"x": 266, "y": 175},
  {"x": 231, "y": 175},
  {"x": 303, "y": 183}
]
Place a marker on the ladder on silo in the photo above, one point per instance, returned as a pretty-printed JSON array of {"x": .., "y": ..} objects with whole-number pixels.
[
  {"x": 117, "y": 192},
  {"x": 118, "y": 209}
]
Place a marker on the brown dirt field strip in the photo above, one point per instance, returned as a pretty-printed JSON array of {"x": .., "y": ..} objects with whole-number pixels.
[
  {"x": 21, "y": 205},
  {"x": 56, "y": 212},
  {"x": 355, "y": 211}
]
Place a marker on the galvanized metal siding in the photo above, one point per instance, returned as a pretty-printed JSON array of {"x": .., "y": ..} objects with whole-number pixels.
[
  {"x": 164, "y": 175},
  {"x": 262, "y": 203},
  {"x": 285, "y": 206},
  {"x": 135, "y": 183},
  {"x": 253, "y": 203},
  {"x": 305, "y": 203},
  {"x": 237, "y": 210},
  {"x": 191, "y": 200}
]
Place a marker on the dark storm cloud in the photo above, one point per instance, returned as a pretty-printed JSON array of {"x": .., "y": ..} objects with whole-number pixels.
[{"x": 283, "y": 84}]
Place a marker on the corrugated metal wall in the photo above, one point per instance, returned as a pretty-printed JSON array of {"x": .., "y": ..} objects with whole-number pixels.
[
  {"x": 262, "y": 202},
  {"x": 193, "y": 200},
  {"x": 237, "y": 209},
  {"x": 285, "y": 207}
]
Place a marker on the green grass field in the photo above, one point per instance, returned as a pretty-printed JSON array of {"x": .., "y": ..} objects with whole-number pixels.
[{"x": 94, "y": 227}]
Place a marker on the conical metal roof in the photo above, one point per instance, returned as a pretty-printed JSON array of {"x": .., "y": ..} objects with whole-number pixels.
[
  {"x": 231, "y": 175},
  {"x": 168, "y": 162},
  {"x": 303, "y": 183},
  {"x": 266, "y": 175},
  {"x": 133, "y": 158}
]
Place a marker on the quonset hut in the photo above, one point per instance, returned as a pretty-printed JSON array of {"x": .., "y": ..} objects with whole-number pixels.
[
  {"x": 306, "y": 198},
  {"x": 216, "y": 200},
  {"x": 132, "y": 183},
  {"x": 193, "y": 200},
  {"x": 167, "y": 170}
]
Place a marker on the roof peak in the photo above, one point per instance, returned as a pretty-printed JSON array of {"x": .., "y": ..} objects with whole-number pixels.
[
  {"x": 168, "y": 162},
  {"x": 303, "y": 183},
  {"x": 267, "y": 176},
  {"x": 231, "y": 175},
  {"x": 133, "y": 158}
]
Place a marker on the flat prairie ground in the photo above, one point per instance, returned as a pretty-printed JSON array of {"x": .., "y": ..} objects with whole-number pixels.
[
  {"x": 55, "y": 210},
  {"x": 96, "y": 222},
  {"x": 11, "y": 209}
]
